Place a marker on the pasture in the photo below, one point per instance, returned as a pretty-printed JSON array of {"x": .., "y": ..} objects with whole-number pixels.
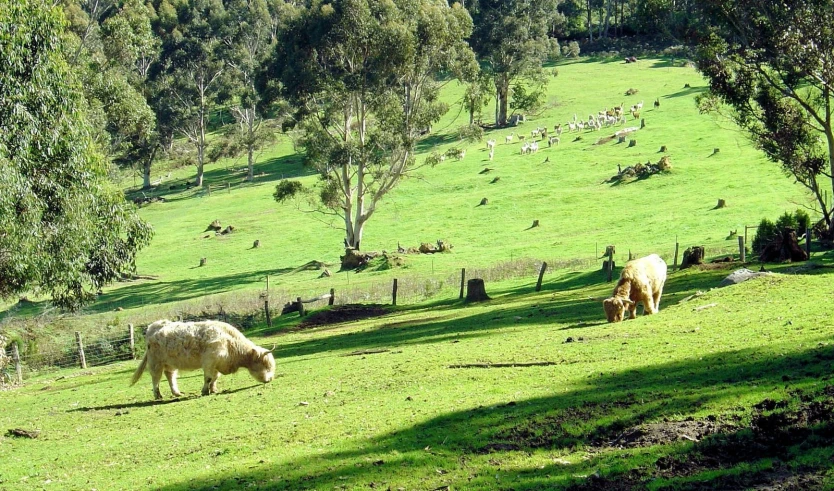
[
  {"x": 721, "y": 397},
  {"x": 728, "y": 389}
]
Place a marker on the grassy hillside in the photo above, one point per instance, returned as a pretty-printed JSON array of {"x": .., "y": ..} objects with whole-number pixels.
[
  {"x": 723, "y": 389},
  {"x": 726, "y": 390},
  {"x": 578, "y": 210}
]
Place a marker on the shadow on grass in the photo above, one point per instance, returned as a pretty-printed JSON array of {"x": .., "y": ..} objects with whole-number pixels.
[
  {"x": 589, "y": 417},
  {"x": 226, "y": 178}
]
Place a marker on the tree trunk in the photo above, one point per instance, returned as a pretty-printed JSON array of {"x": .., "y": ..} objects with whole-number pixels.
[
  {"x": 250, "y": 146},
  {"x": 502, "y": 83},
  {"x": 146, "y": 174},
  {"x": 590, "y": 21},
  {"x": 607, "y": 18}
]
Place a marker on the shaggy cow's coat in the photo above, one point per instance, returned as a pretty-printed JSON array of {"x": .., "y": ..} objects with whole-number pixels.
[
  {"x": 640, "y": 281},
  {"x": 214, "y": 346}
]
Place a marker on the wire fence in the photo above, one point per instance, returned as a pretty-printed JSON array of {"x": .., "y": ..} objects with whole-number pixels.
[{"x": 247, "y": 310}]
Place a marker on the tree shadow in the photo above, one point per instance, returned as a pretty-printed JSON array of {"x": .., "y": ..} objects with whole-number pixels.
[
  {"x": 224, "y": 179},
  {"x": 686, "y": 91},
  {"x": 589, "y": 417}
]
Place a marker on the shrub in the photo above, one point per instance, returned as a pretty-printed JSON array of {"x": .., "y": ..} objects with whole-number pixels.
[
  {"x": 803, "y": 221},
  {"x": 766, "y": 232},
  {"x": 285, "y": 190},
  {"x": 471, "y": 133},
  {"x": 571, "y": 50}
]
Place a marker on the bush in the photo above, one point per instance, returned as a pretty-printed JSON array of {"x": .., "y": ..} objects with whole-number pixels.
[
  {"x": 471, "y": 133},
  {"x": 285, "y": 190},
  {"x": 767, "y": 230},
  {"x": 765, "y": 233},
  {"x": 571, "y": 50},
  {"x": 803, "y": 221}
]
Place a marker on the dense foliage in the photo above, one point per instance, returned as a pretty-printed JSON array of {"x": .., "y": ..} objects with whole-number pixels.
[
  {"x": 63, "y": 227},
  {"x": 772, "y": 63}
]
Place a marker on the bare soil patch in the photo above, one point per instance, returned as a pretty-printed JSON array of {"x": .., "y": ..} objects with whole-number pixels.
[
  {"x": 343, "y": 313},
  {"x": 665, "y": 432}
]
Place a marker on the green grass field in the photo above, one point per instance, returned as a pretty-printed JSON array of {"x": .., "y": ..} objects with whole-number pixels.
[{"x": 728, "y": 389}]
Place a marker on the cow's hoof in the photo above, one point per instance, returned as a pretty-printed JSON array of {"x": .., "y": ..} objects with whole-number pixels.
[{"x": 177, "y": 394}]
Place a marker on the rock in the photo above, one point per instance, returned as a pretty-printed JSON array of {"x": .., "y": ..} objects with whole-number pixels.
[{"x": 740, "y": 276}]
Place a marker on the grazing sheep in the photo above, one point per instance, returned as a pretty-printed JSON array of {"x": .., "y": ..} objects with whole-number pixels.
[
  {"x": 509, "y": 138},
  {"x": 640, "y": 281},
  {"x": 639, "y": 105},
  {"x": 534, "y": 147},
  {"x": 534, "y": 133},
  {"x": 525, "y": 149},
  {"x": 552, "y": 140},
  {"x": 558, "y": 129},
  {"x": 571, "y": 127}
]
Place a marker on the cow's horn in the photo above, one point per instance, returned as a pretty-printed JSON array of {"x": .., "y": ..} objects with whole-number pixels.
[{"x": 273, "y": 347}]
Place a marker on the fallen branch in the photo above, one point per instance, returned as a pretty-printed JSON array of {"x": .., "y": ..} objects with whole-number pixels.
[
  {"x": 366, "y": 352},
  {"x": 702, "y": 307},
  {"x": 505, "y": 365}
]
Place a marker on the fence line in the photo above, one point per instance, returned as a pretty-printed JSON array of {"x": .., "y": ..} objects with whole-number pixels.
[{"x": 410, "y": 289}]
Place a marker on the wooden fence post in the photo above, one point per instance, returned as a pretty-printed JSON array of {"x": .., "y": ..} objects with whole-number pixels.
[
  {"x": 17, "y": 368},
  {"x": 808, "y": 241},
  {"x": 610, "y": 266},
  {"x": 267, "y": 313},
  {"x": 677, "y": 245},
  {"x": 229, "y": 187},
  {"x": 332, "y": 296},
  {"x": 394, "y": 293},
  {"x": 462, "y": 281},
  {"x": 209, "y": 189},
  {"x": 81, "y": 357},
  {"x": 742, "y": 253},
  {"x": 300, "y": 307},
  {"x": 541, "y": 275},
  {"x": 132, "y": 343}
]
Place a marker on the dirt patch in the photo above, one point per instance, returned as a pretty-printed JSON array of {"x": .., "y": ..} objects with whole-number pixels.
[
  {"x": 343, "y": 313},
  {"x": 663, "y": 433}
]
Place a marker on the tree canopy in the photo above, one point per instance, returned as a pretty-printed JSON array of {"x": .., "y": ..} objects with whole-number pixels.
[
  {"x": 772, "y": 63},
  {"x": 363, "y": 77},
  {"x": 64, "y": 228}
]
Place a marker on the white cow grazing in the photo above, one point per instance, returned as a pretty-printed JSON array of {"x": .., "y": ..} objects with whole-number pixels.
[
  {"x": 214, "y": 346},
  {"x": 641, "y": 280}
]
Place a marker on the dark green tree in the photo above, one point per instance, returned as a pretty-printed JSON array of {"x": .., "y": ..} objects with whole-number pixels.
[
  {"x": 772, "y": 65},
  {"x": 64, "y": 229},
  {"x": 189, "y": 74},
  {"x": 363, "y": 77},
  {"x": 511, "y": 40}
]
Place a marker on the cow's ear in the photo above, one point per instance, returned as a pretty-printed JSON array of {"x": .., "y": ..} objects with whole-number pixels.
[{"x": 254, "y": 353}]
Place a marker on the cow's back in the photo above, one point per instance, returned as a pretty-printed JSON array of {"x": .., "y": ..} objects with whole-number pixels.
[{"x": 183, "y": 345}]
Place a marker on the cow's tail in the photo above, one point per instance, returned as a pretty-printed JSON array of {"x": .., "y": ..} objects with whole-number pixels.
[{"x": 138, "y": 373}]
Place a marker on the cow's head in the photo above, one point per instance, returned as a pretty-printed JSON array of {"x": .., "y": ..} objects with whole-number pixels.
[
  {"x": 263, "y": 366},
  {"x": 615, "y": 308}
]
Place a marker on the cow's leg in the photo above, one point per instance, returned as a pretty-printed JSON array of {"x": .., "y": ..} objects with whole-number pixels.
[
  {"x": 210, "y": 377},
  {"x": 156, "y": 375},
  {"x": 171, "y": 375},
  {"x": 657, "y": 293}
]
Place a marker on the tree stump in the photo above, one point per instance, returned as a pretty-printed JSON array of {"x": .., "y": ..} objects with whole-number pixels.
[
  {"x": 215, "y": 225},
  {"x": 632, "y": 143},
  {"x": 484, "y": 202},
  {"x": 784, "y": 248},
  {"x": 621, "y": 139},
  {"x": 495, "y": 180},
  {"x": 642, "y": 123},
  {"x": 691, "y": 256},
  {"x": 203, "y": 261},
  {"x": 721, "y": 204},
  {"x": 663, "y": 149},
  {"x": 475, "y": 291},
  {"x": 228, "y": 230},
  {"x": 535, "y": 224},
  {"x": 605, "y": 266},
  {"x": 256, "y": 244},
  {"x": 715, "y": 150}
]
